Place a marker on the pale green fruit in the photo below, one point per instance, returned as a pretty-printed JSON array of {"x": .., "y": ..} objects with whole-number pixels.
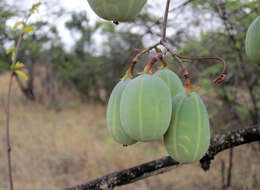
[
  {"x": 117, "y": 10},
  {"x": 188, "y": 137},
  {"x": 146, "y": 108},
  {"x": 172, "y": 80},
  {"x": 253, "y": 41},
  {"x": 113, "y": 115}
]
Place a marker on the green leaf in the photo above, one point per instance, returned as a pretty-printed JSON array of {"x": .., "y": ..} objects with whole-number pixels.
[
  {"x": 28, "y": 29},
  {"x": 11, "y": 49},
  {"x": 22, "y": 75},
  {"x": 17, "y": 24},
  {"x": 36, "y": 5}
]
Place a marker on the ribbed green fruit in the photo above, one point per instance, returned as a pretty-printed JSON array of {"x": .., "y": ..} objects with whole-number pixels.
[
  {"x": 253, "y": 41},
  {"x": 172, "y": 80},
  {"x": 117, "y": 10},
  {"x": 188, "y": 136},
  {"x": 146, "y": 108},
  {"x": 113, "y": 115}
]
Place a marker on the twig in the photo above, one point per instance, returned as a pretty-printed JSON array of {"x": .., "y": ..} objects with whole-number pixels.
[
  {"x": 8, "y": 144},
  {"x": 129, "y": 72},
  {"x": 229, "y": 176},
  {"x": 181, "y": 6},
  {"x": 148, "y": 67},
  {"x": 207, "y": 58},
  {"x": 182, "y": 59},
  {"x": 160, "y": 56},
  {"x": 165, "y": 45},
  {"x": 166, "y": 13},
  {"x": 8, "y": 133},
  {"x": 223, "y": 167},
  {"x": 218, "y": 144}
]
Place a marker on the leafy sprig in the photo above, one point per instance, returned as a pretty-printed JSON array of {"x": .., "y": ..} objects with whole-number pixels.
[{"x": 15, "y": 68}]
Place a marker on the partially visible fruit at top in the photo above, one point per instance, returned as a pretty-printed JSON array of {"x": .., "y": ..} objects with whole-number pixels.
[
  {"x": 253, "y": 41},
  {"x": 117, "y": 10}
]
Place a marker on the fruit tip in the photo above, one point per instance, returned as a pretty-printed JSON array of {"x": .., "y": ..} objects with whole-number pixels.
[{"x": 115, "y": 22}]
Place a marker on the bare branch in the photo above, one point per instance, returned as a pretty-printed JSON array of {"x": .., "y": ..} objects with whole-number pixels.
[
  {"x": 166, "y": 13},
  {"x": 218, "y": 144},
  {"x": 181, "y": 6}
]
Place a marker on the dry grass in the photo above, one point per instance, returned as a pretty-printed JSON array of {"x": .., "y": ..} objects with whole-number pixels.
[{"x": 53, "y": 150}]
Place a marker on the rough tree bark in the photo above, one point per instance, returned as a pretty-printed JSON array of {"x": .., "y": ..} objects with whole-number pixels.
[{"x": 219, "y": 142}]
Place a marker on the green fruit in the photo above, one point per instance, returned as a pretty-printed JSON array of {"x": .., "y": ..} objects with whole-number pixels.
[
  {"x": 172, "y": 80},
  {"x": 253, "y": 41},
  {"x": 188, "y": 136},
  {"x": 117, "y": 10},
  {"x": 146, "y": 108},
  {"x": 113, "y": 115}
]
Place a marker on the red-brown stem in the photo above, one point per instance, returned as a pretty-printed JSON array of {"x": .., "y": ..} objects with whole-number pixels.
[
  {"x": 222, "y": 76},
  {"x": 207, "y": 58},
  {"x": 163, "y": 39},
  {"x": 166, "y": 13},
  {"x": 159, "y": 53},
  {"x": 130, "y": 71},
  {"x": 165, "y": 45},
  {"x": 8, "y": 133},
  {"x": 8, "y": 144},
  {"x": 148, "y": 67},
  {"x": 138, "y": 50},
  {"x": 188, "y": 85},
  {"x": 181, "y": 59},
  {"x": 132, "y": 67}
]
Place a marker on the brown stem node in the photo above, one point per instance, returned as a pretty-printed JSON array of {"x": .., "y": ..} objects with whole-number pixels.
[
  {"x": 188, "y": 85},
  {"x": 220, "y": 79},
  {"x": 130, "y": 71},
  {"x": 164, "y": 63}
]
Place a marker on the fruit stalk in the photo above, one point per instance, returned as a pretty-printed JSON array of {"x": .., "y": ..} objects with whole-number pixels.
[
  {"x": 164, "y": 63},
  {"x": 130, "y": 71},
  {"x": 148, "y": 67},
  {"x": 188, "y": 85}
]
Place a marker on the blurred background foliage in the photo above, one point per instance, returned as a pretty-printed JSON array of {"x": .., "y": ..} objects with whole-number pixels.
[{"x": 90, "y": 69}]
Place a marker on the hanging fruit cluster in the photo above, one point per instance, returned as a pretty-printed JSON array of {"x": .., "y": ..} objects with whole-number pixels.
[
  {"x": 117, "y": 10},
  {"x": 158, "y": 106}
]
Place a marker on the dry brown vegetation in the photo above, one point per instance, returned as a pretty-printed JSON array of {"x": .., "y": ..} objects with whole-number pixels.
[{"x": 53, "y": 150}]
